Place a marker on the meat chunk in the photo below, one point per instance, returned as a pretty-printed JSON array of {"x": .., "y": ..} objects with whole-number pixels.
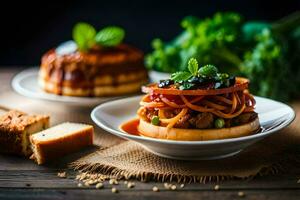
[
  {"x": 244, "y": 118},
  {"x": 172, "y": 113},
  {"x": 142, "y": 113},
  {"x": 202, "y": 120},
  {"x": 183, "y": 122}
]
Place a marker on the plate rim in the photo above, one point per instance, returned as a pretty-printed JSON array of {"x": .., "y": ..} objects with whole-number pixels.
[
  {"x": 127, "y": 136},
  {"x": 33, "y": 71}
]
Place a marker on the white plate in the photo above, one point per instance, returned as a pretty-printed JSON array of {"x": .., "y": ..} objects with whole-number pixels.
[
  {"x": 26, "y": 84},
  {"x": 273, "y": 116}
]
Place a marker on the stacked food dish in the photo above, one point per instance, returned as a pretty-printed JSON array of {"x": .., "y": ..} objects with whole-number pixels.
[
  {"x": 198, "y": 105},
  {"x": 104, "y": 68}
]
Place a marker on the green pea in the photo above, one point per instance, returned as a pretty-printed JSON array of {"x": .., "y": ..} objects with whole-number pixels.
[
  {"x": 219, "y": 123},
  {"x": 208, "y": 71},
  {"x": 155, "y": 120}
]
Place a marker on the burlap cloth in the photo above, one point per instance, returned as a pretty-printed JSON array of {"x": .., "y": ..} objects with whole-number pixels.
[{"x": 125, "y": 159}]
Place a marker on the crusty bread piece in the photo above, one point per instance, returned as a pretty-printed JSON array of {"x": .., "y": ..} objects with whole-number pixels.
[
  {"x": 15, "y": 129},
  {"x": 60, "y": 140}
]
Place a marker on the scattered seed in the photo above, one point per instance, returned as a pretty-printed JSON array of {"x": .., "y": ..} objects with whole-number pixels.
[
  {"x": 79, "y": 185},
  {"x": 173, "y": 187},
  {"x": 62, "y": 174},
  {"x": 167, "y": 186},
  {"x": 130, "y": 185},
  {"x": 298, "y": 181},
  {"x": 86, "y": 184},
  {"x": 125, "y": 182},
  {"x": 99, "y": 185},
  {"x": 113, "y": 182},
  {"x": 28, "y": 184},
  {"x": 114, "y": 190},
  {"x": 182, "y": 185},
  {"x": 155, "y": 189},
  {"x": 241, "y": 194},
  {"x": 217, "y": 187}
]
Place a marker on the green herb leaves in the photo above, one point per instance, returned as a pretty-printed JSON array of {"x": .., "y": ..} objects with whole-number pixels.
[
  {"x": 183, "y": 76},
  {"x": 86, "y": 36},
  {"x": 208, "y": 71},
  {"x": 212, "y": 40},
  {"x": 193, "y": 66},
  {"x": 180, "y": 76},
  {"x": 203, "y": 77},
  {"x": 110, "y": 36}
]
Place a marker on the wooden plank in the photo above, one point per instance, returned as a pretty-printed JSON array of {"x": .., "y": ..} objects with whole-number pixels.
[
  {"x": 149, "y": 195},
  {"x": 49, "y": 179},
  {"x": 11, "y": 162}
]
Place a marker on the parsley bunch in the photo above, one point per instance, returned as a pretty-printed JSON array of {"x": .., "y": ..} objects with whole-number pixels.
[{"x": 265, "y": 52}]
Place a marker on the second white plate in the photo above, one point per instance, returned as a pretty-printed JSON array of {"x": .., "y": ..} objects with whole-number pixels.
[{"x": 26, "y": 84}]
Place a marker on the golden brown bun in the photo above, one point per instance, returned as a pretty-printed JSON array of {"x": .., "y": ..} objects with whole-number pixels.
[
  {"x": 98, "y": 72},
  {"x": 149, "y": 130}
]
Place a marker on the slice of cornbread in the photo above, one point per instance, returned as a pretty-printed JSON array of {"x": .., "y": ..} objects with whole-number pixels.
[
  {"x": 60, "y": 140},
  {"x": 15, "y": 129}
]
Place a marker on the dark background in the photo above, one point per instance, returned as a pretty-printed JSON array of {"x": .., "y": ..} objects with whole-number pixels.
[{"x": 29, "y": 29}]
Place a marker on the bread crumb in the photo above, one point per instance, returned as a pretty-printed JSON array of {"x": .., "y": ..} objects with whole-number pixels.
[
  {"x": 62, "y": 174},
  {"x": 217, "y": 187},
  {"x": 167, "y": 186},
  {"x": 173, "y": 187},
  {"x": 99, "y": 185},
  {"x": 155, "y": 189},
  {"x": 182, "y": 185},
  {"x": 79, "y": 185},
  {"x": 241, "y": 194},
  {"x": 114, "y": 190},
  {"x": 113, "y": 182},
  {"x": 130, "y": 185}
]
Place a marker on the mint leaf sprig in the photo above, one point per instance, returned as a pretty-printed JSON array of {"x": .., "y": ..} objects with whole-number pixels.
[
  {"x": 85, "y": 36},
  {"x": 193, "y": 66},
  {"x": 207, "y": 71},
  {"x": 196, "y": 77},
  {"x": 110, "y": 36},
  {"x": 183, "y": 75}
]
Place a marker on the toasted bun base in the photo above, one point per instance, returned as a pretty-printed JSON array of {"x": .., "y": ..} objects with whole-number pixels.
[
  {"x": 149, "y": 130},
  {"x": 98, "y": 91}
]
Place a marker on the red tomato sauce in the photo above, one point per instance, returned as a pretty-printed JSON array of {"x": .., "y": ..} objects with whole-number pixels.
[{"x": 130, "y": 127}]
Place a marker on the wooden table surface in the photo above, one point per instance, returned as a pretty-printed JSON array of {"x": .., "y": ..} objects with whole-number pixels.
[{"x": 22, "y": 179}]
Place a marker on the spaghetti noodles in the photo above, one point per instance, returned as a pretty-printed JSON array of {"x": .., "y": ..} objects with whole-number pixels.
[{"x": 227, "y": 106}]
